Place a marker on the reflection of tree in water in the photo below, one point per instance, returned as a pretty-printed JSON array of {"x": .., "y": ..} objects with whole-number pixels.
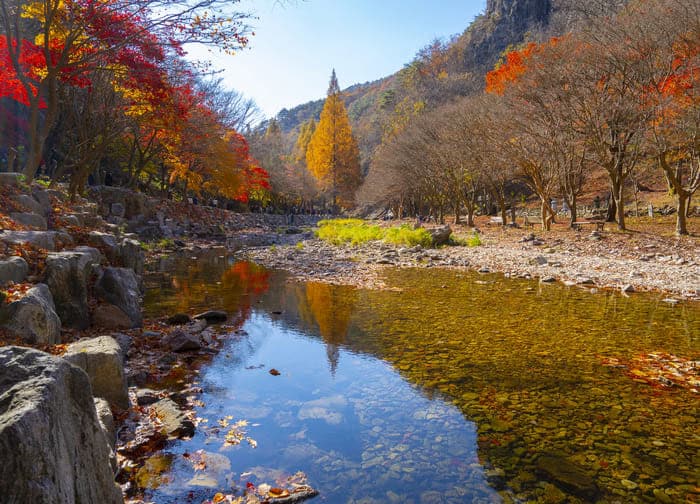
[
  {"x": 212, "y": 284},
  {"x": 331, "y": 308},
  {"x": 241, "y": 282}
]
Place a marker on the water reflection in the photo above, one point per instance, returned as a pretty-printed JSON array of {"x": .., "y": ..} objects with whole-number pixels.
[{"x": 353, "y": 406}]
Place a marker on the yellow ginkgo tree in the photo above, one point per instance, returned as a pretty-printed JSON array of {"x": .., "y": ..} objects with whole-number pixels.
[{"x": 332, "y": 155}]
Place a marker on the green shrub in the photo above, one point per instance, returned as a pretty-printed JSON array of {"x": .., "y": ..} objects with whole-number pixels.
[
  {"x": 342, "y": 231},
  {"x": 406, "y": 235},
  {"x": 474, "y": 240},
  {"x": 356, "y": 232},
  {"x": 457, "y": 241},
  {"x": 43, "y": 181}
]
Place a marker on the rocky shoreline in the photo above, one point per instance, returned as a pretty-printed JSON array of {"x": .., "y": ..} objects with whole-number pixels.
[
  {"x": 71, "y": 281},
  {"x": 675, "y": 273}
]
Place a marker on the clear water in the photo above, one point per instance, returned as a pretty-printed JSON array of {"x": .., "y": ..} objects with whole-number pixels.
[{"x": 451, "y": 387}]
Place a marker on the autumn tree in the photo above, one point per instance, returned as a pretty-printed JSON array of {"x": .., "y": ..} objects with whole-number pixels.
[
  {"x": 670, "y": 29},
  {"x": 332, "y": 155},
  {"x": 306, "y": 184},
  {"x": 48, "y": 44},
  {"x": 540, "y": 134}
]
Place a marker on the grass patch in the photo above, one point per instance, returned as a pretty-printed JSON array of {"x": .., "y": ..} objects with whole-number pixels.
[
  {"x": 406, "y": 235},
  {"x": 352, "y": 231},
  {"x": 300, "y": 246},
  {"x": 356, "y": 232},
  {"x": 470, "y": 241},
  {"x": 474, "y": 240}
]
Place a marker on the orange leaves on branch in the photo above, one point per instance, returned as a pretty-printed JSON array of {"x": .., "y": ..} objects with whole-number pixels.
[{"x": 513, "y": 66}]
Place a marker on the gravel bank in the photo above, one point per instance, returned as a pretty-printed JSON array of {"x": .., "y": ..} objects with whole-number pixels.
[{"x": 597, "y": 260}]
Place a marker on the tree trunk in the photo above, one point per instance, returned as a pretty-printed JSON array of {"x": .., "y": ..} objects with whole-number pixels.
[
  {"x": 544, "y": 211},
  {"x": 504, "y": 214},
  {"x": 682, "y": 202},
  {"x": 620, "y": 203},
  {"x": 470, "y": 216},
  {"x": 612, "y": 207},
  {"x": 688, "y": 206},
  {"x": 457, "y": 215},
  {"x": 573, "y": 210}
]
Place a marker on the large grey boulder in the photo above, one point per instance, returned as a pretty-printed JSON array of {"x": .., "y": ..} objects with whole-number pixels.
[
  {"x": 13, "y": 269},
  {"x": 31, "y": 220},
  {"x": 117, "y": 209},
  {"x": 108, "y": 316},
  {"x": 131, "y": 255},
  {"x": 101, "y": 359},
  {"x": 106, "y": 419},
  {"x": 67, "y": 275},
  {"x": 11, "y": 179},
  {"x": 44, "y": 199},
  {"x": 120, "y": 287},
  {"x": 53, "y": 448},
  {"x": 440, "y": 235},
  {"x": 29, "y": 204},
  {"x": 49, "y": 240},
  {"x": 105, "y": 242},
  {"x": 33, "y": 317}
]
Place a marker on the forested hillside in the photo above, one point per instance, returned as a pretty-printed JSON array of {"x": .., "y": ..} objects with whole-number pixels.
[{"x": 444, "y": 70}]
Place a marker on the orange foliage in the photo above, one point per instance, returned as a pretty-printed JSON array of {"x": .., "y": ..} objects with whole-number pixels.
[{"x": 514, "y": 66}]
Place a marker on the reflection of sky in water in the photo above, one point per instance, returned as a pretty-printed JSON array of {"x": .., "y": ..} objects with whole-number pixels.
[{"x": 361, "y": 431}]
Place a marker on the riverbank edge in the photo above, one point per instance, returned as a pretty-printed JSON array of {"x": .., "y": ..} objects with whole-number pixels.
[{"x": 532, "y": 258}]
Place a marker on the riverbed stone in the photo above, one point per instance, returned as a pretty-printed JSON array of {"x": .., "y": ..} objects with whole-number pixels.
[
  {"x": 29, "y": 204},
  {"x": 67, "y": 275},
  {"x": 146, "y": 396},
  {"x": 105, "y": 242},
  {"x": 125, "y": 342},
  {"x": 49, "y": 240},
  {"x": 33, "y": 317},
  {"x": 101, "y": 359},
  {"x": 119, "y": 286},
  {"x": 54, "y": 449},
  {"x": 117, "y": 209},
  {"x": 181, "y": 341},
  {"x": 178, "y": 319},
  {"x": 13, "y": 269},
  {"x": 175, "y": 423},
  {"x": 42, "y": 197},
  {"x": 568, "y": 476},
  {"x": 109, "y": 316},
  {"x": 212, "y": 316},
  {"x": 440, "y": 235},
  {"x": 10, "y": 179},
  {"x": 106, "y": 418},
  {"x": 31, "y": 220},
  {"x": 131, "y": 255}
]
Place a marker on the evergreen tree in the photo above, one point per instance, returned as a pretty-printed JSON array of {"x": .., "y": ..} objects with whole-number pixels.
[{"x": 332, "y": 155}]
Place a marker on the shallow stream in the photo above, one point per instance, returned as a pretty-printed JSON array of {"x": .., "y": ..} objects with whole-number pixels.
[{"x": 448, "y": 387}]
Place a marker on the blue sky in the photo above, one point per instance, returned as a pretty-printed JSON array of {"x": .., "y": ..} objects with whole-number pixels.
[{"x": 299, "y": 42}]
